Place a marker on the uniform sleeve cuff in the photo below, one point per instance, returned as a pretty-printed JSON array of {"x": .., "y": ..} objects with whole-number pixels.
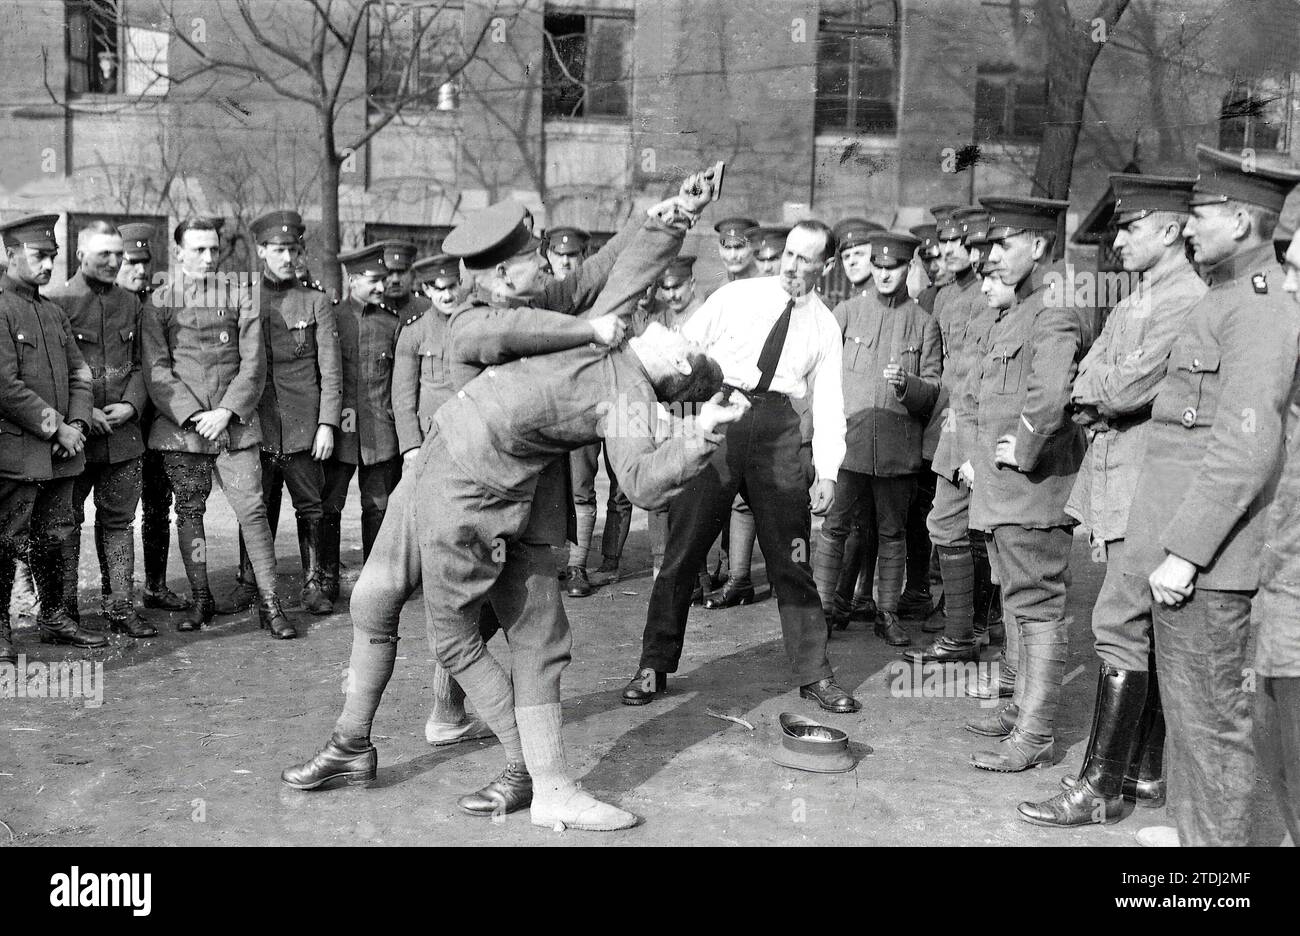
[{"x": 1199, "y": 529}]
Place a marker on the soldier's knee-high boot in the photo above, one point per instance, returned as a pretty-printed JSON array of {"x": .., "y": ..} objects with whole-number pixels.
[
  {"x": 1097, "y": 796},
  {"x": 330, "y": 534},
  {"x": 314, "y": 599},
  {"x": 850, "y": 562},
  {"x": 827, "y": 561},
  {"x": 1146, "y": 772},
  {"x": 69, "y": 560},
  {"x": 47, "y": 563},
  {"x": 958, "y": 640},
  {"x": 7, "y": 652},
  {"x": 1043, "y": 646},
  {"x": 244, "y": 595},
  {"x": 863, "y": 607},
  {"x": 119, "y": 567},
  {"x": 892, "y": 559},
  {"x": 988, "y": 596}
]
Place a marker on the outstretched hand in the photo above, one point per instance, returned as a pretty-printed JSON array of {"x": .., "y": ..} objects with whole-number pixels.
[
  {"x": 719, "y": 410},
  {"x": 610, "y": 330}
]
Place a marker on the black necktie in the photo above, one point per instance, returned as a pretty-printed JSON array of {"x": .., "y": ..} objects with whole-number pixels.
[{"x": 771, "y": 352}]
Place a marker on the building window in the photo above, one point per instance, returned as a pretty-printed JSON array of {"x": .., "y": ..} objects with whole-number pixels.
[
  {"x": 94, "y": 47},
  {"x": 1009, "y": 104},
  {"x": 412, "y": 48},
  {"x": 857, "y": 67},
  {"x": 587, "y": 70},
  {"x": 1256, "y": 114},
  {"x": 427, "y": 238},
  {"x": 159, "y": 244}
]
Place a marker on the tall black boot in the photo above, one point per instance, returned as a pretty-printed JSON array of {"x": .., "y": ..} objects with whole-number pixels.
[
  {"x": 1098, "y": 796},
  {"x": 330, "y": 533},
  {"x": 314, "y": 599},
  {"x": 69, "y": 558},
  {"x": 370, "y": 524},
  {"x": 57, "y": 627},
  {"x": 271, "y": 617},
  {"x": 7, "y": 652},
  {"x": 201, "y": 611},
  {"x": 1146, "y": 774}
]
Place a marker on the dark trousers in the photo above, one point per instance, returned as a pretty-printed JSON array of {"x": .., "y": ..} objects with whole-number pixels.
[
  {"x": 919, "y": 546},
  {"x": 879, "y": 508},
  {"x": 760, "y": 458},
  {"x": 1277, "y": 744},
  {"x": 305, "y": 478},
  {"x": 155, "y": 519},
  {"x": 116, "y": 489},
  {"x": 35, "y": 523},
  {"x": 376, "y": 482},
  {"x": 1121, "y": 616},
  {"x": 1201, "y": 655}
]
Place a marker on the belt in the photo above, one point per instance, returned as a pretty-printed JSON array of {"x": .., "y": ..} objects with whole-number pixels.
[{"x": 767, "y": 396}]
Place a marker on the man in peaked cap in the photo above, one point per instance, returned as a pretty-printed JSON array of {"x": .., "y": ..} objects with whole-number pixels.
[
  {"x": 927, "y": 273},
  {"x": 105, "y": 321},
  {"x": 565, "y": 248},
  {"x": 398, "y": 256},
  {"x": 366, "y": 444},
  {"x": 1200, "y": 518},
  {"x": 1118, "y": 379},
  {"x": 301, "y": 402},
  {"x": 768, "y": 242},
  {"x": 421, "y": 383},
  {"x": 205, "y": 366},
  {"x": 155, "y": 489},
  {"x": 1026, "y": 453},
  {"x": 964, "y": 320},
  {"x": 853, "y": 240},
  {"x": 891, "y": 364},
  {"x": 734, "y": 249},
  {"x": 45, "y": 411}
]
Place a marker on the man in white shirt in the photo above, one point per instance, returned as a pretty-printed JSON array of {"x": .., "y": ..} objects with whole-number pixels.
[{"x": 776, "y": 341}]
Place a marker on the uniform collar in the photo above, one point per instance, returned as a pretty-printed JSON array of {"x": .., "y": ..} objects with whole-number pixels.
[
  {"x": 276, "y": 285},
  {"x": 965, "y": 277},
  {"x": 17, "y": 287},
  {"x": 94, "y": 286},
  {"x": 898, "y": 297},
  {"x": 1260, "y": 259}
]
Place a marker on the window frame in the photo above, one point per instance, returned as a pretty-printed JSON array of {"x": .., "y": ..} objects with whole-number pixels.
[
  {"x": 430, "y": 100},
  {"x": 90, "y": 10},
  {"x": 854, "y": 30},
  {"x": 550, "y": 49},
  {"x": 1248, "y": 88},
  {"x": 1009, "y": 130}
]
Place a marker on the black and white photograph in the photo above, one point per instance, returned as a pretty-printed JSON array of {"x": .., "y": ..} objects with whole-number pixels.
[{"x": 661, "y": 423}]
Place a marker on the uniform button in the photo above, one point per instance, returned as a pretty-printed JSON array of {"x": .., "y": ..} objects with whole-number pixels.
[
  {"x": 461, "y": 394},
  {"x": 857, "y": 341},
  {"x": 224, "y": 336},
  {"x": 491, "y": 373},
  {"x": 1189, "y": 417},
  {"x": 1196, "y": 362}
]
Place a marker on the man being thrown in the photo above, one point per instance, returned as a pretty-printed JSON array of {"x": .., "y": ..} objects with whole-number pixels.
[{"x": 460, "y": 518}]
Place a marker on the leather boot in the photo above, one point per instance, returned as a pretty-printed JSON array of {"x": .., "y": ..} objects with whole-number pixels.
[
  {"x": 314, "y": 599},
  {"x": 270, "y": 616},
  {"x": 244, "y": 595},
  {"x": 944, "y": 650},
  {"x": 577, "y": 583},
  {"x": 1016, "y": 752},
  {"x": 889, "y": 630},
  {"x": 70, "y": 556},
  {"x": 998, "y": 682},
  {"x": 734, "y": 592},
  {"x": 330, "y": 532},
  {"x": 201, "y": 611},
  {"x": 997, "y": 725},
  {"x": 643, "y": 686},
  {"x": 511, "y": 790},
  {"x": 352, "y": 759},
  {"x": 58, "y": 628},
  {"x": 1098, "y": 794},
  {"x": 704, "y": 586},
  {"x": 123, "y": 619},
  {"x": 7, "y": 652},
  {"x": 1146, "y": 773}
]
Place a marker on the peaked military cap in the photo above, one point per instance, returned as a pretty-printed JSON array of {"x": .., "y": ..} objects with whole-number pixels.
[
  {"x": 278, "y": 227},
  {"x": 365, "y": 260},
  {"x": 439, "y": 271},
  {"x": 398, "y": 254},
  {"x": 679, "y": 271},
  {"x": 135, "y": 241},
  {"x": 1138, "y": 195},
  {"x": 767, "y": 240},
  {"x": 892, "y": 248},
  {"x": 945, "y": 228},
  {"x": 31, "y": 231},
  {"x": 1013, "y": 215},
  {"x": 567, "y": 240},
  {"x": 1223, "y": 177},
  {"x": 853, "y": 232},
  {"x": 928, "y": 235},
  {"x": 967, "y": 218},
  {"x": 734, "y": 229},
  {"x": 491, "y": 235}
]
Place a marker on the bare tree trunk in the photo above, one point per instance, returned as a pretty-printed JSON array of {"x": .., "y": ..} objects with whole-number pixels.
[{"x": 330, "y": 275}]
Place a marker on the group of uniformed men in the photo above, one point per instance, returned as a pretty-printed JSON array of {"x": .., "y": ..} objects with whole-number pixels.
[{"x": 955, "y": 402}]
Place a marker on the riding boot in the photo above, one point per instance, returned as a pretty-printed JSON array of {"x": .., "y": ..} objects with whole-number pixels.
[{"x": 314, "y": 599}]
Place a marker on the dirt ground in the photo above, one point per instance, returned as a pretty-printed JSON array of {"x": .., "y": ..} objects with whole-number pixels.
[{"x": 188, "y": 744}]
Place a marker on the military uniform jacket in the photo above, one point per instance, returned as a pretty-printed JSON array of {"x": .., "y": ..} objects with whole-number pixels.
[
  {"x": 199, "y": 357},
  {"x": 1276, "y": 608},
  {"x": 304, "y": 370},
  {"x": 576, "y": 294},
  {"x": 1023, "y": 383},
  {"x": 964, "y": 319},
  {"x": 105, "y": 322},
  {"x": 885, "y": 425},
  {"x": 367, "y": 340},
  {"x": 1117, "y": 381},
  {"x": 1215, "y": 434},
  {"x": 45, "y": 382},
  {"x": 422, "y": 379}
]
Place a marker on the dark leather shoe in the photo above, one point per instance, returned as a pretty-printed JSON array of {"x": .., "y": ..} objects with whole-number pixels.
[
  {"x": 608, "y": 571},
  {"x": 830, "y": 697},
  {"x": 512, "y": 790},
  {"x": 352, "y": 759},
  {"x": 579, "y": 586},
  {"x": 943, "y": 650},
  {"x": 1148, "y": 794},
  {"x": 1077, "y": 806},
  {"x": 201, "y": 612},
  {"x": 132, "y": 625},
  {"x": 1016, "y": 752},
  {"x": 164, "y": 599},
  {"x": 314, "y": 600},
  {"x": 732, "y": 594},
  {"x": 61, "y": 629},
  {"x": 864, "y": 610},
  {"x": 643, "y": 686},
  {"x": 888, "y": 629},
  {"x": 243, "y": 597},
  {"x": 917, "y": 605},
  {"x": 270, "y": 616},
  {"x": 997, "y": 725}
]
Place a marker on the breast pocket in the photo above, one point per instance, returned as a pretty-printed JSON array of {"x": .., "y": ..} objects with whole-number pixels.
[
  {"x": 1007, "y": 361},
  {"x": 1194, "y": 364},
  {"x": 909, "y": 357},
  {"x": 859, "y": 352}
]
